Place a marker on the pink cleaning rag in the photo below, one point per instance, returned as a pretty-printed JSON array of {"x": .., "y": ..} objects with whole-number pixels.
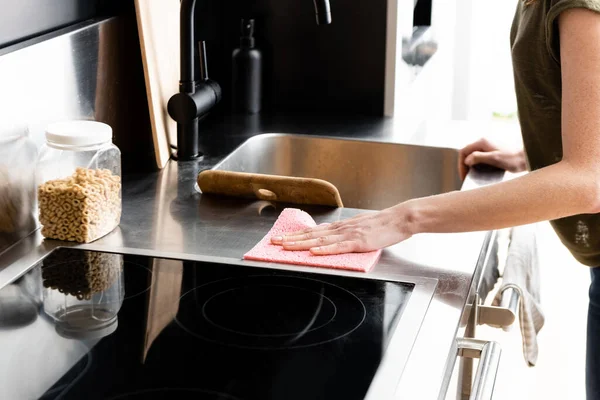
[{"x": 293, "y": 220}]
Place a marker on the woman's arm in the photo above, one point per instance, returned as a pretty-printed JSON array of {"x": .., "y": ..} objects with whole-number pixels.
[{"x": 569, "y": 187}]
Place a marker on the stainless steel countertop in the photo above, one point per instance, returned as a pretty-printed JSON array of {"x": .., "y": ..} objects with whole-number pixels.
[{"x": 163, "y": 216}]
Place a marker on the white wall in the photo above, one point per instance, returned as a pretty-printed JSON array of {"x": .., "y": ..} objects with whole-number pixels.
[
  {"x": 413, "y": 97},
  {"x": 483, "y": 82}
]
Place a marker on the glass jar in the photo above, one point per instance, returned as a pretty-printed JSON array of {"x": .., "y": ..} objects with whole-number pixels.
[
  {"x": 83, "y": 291},
  {"x": 79, "y": 175},
  {"x": 17, "y": 188}
]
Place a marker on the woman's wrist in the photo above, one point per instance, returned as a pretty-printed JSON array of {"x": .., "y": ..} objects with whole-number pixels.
[{"x": 407, "y": 217}]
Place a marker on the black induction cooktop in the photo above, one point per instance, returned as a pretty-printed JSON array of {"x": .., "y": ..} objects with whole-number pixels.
[{"x": 167, "y": 329}]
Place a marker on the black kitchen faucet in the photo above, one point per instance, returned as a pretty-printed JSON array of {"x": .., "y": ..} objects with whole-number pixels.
[{"x": 197, "y": 96}]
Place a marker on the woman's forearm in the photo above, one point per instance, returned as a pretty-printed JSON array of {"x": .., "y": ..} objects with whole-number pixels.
[{"x": 553, "y": 192}]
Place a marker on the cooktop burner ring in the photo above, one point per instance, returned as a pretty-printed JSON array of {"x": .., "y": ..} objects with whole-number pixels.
[
  {"x": 336, "y": 326},
  {"x": 145, "y": 393},
  {"x": 220, "y": 326}
]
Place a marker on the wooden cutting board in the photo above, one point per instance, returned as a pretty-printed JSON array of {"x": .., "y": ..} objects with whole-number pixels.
[
  {"x": 158, "y": 29},
  {"x": 283, "y": 189}
]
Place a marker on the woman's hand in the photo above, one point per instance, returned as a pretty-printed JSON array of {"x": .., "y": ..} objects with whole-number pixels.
[
  {"x": 484, "y": 152},
  {"x": 355, "y": 235}
]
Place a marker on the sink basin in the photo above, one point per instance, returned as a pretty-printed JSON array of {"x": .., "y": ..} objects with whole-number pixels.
[{"x": 368, "y": 175}]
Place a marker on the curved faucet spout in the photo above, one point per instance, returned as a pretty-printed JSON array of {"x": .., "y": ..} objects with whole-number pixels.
[{"x": 187, "y": 42}]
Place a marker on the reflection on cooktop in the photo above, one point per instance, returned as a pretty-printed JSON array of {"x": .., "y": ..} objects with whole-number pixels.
[
  {"x": 82, "y": 273},
  {"x": 270, "y": 312},
  {"x": 195, "y": 330},
  {"x": 84, "y": 291}
]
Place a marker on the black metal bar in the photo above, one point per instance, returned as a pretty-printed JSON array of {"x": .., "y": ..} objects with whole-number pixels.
[{"x": 187, "y": 42}]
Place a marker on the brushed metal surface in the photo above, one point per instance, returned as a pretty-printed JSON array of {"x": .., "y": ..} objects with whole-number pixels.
[
  {"x": 485, "y": 378},
  {"x": 90, "y": 70},
  {"x": 503, "y": 315},
  {"x": 368, "y": 175}
]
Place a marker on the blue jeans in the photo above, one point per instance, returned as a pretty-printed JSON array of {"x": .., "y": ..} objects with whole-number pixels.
[{"x": 592, "y": 364}]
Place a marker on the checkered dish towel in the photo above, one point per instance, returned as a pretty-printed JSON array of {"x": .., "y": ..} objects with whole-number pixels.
[{"x": 521, "y": 272}]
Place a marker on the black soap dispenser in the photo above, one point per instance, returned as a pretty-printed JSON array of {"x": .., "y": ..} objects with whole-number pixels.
[{"x": 247, "y": 72}]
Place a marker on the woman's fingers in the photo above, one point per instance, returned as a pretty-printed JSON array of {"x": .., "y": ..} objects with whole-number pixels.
[
  {"x": 341, "y": 247},
  {"x": 463, "y": 170},
  {"x": 320, "y": 241},
  {"x": 302, "y": 235},
  {"x": 367, "y": 232},
  {"x": 319, "y": 236},
  {"x": 493, "y": 158},
  {"x": 317, "y": 231},
  {"x": 482, "y": 145}
]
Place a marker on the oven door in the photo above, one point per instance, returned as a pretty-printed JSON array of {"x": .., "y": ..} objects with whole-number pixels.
[{"x": 467, "y": 380}]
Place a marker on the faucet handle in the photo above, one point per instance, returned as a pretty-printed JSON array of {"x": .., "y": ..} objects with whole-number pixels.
[
  {"x": 203, "y": 62},
  {"x": 323, "y": 12}
]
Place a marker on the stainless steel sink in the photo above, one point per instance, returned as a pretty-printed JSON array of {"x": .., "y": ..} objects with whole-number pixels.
[{"x": 368, "y": 175}]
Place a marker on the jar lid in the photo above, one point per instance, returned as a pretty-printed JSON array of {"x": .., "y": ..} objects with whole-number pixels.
[{"x": 78, "y": 133}]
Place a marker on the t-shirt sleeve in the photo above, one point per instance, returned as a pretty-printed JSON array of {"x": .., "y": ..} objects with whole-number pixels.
[{"x": 557, "y": 7}]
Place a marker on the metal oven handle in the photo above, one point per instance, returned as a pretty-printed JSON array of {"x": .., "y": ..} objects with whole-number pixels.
[
  {"x": 489, "y": 360},
  {"x": 505, "y": 314}
]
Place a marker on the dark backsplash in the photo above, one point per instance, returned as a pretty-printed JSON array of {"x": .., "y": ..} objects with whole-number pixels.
[{"x": 336, "y": 68}]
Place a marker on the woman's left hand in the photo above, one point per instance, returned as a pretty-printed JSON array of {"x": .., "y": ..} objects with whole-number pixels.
[{"x": 355, "y": 235}]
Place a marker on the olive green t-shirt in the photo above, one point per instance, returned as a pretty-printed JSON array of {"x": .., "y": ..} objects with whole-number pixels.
[{"x": 535, "y": 49}]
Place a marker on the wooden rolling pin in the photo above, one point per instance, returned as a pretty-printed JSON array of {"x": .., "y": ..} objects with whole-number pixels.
[{"x": 270, "y": 187}]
